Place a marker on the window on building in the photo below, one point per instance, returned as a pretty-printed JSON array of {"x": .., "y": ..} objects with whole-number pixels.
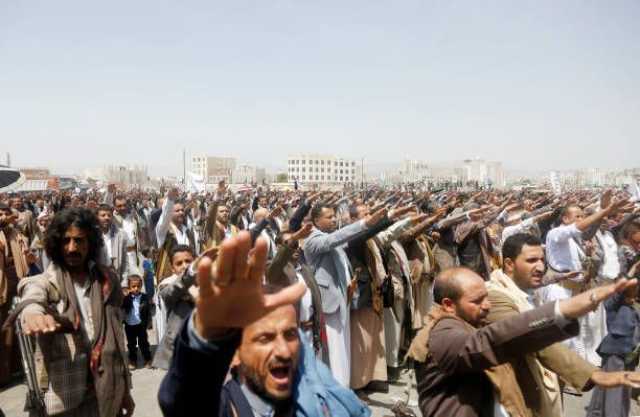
[
  {"x": 303, "y": 169},
  {"x": 341, "y": 179},
  {"x": 303, "y": 162},
  {"x": 316, "y": 178},
  {"x": 322, "y": 162},
  {"x": 304, "y": 178}
]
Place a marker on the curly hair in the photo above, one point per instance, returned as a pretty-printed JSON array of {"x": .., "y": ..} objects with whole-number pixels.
[{"x": 82, "y": 218}]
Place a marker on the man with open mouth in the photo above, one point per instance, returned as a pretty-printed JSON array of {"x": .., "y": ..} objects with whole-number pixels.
[{"x": 248, "y": 331}]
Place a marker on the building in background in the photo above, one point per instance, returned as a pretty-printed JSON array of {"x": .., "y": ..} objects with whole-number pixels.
[
  {"x": 213, "y": 168},
  {"x": 484, "y": 172},
  {"x": 323, "y": 169},
  {"x": 447, "y": 174},
  {"x": 125, "y": 176},
  {"x": 36, "y": 173},
  {"x": 414, "y": 171},
  {"x": 248, "y": 174}
]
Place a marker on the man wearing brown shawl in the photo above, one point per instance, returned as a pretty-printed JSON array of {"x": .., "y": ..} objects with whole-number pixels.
[
  {"x": 13, "y": 266},
  {"x": 73, "y": 309}
]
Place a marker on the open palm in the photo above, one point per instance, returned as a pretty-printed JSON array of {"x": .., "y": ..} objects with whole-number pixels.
[{"x": 231, "y": 294}]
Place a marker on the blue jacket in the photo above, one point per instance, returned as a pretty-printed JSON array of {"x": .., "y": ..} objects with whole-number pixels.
[
  {"x": 326, "y": 256},
  {"x": 622, "y": 324},
  {"x": 195, "y": 384}
]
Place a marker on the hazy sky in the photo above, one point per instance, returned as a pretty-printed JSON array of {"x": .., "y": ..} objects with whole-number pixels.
[{"x": 539, "y": 84}]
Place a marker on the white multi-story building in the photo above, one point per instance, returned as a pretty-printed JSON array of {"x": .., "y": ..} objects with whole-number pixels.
[
  {"x": 248, "y": 174},
  {"x": 447, "y": 173},
  {"x": 484, "y": 172},
  {"x": 213, "y": 168},
  {"x": 414, "y": 171},
  {"x": 323, "y": 169},
  {"x": 126, "y": 175}
]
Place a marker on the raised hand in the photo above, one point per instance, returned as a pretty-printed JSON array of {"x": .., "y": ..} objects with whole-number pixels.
[
  {"x": 397, "y": 213},
  {"x": 275, "y": 212},
  {"x": 303, "y": 233},
  {"x": 587, "y": 301},
  {"x": 477, "y": 214},
  {"x": 619, "y": 205},
  {"x": 616, "y": 379},
  {"x": 633, "y": 269},
  {"x": 375, "y": 217},
  {"x": 605, "y": 201},
  {"x": 231, "y": 295},
  {"x": 419, "y": 218},
  {"x": 30, "y": 257}
]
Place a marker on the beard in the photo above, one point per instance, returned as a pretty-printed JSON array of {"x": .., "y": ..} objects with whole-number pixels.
[{"x": 256, "y": 384}]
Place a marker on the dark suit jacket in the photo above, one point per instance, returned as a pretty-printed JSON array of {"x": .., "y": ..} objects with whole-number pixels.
[
  {"x": 622, "y": 322},
  {"x": 452, "y": 382},
  {"x": 127, "y": 305}
]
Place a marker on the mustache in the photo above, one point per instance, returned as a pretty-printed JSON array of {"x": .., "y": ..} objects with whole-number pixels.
[{"x": 279, "y": 362}]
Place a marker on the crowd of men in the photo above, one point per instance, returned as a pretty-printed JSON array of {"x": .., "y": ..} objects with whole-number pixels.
[{"x": 274, "y": 303}]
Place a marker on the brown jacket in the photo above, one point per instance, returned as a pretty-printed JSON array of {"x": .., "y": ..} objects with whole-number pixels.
[
  {"x": 452, "y": 381},
  {"x": 12, "y": 243},
  {"x": 64, "y": 360},
  {"x": 541, "y": 397}
]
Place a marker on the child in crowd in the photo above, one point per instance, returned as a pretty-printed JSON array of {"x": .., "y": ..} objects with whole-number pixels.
[{"x": 136, "y": 309}]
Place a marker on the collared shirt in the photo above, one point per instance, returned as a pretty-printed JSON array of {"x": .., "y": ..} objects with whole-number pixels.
[
  {"x": 164, "y": 223},
  {"x": 129, "y": 227},
  {"x": 133, "y": 318},
  {"x": 84, "y": 304},
  {"x": 181, "y": 235},
  {"x": 563, "y": 253},
  {"x": 107, "y": 251},
  {"x": 610, "y": 267},
  {"x": 521, "y": 227},
  {"x": 259, "y": 406},
  {"x": 306, "y": 303}
]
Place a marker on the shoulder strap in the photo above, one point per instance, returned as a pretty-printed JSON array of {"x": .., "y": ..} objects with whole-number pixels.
[{"x": 239, "y": 403}]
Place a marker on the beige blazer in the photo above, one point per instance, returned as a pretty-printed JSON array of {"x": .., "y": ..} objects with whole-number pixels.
[{"x": 537, "y": 373}]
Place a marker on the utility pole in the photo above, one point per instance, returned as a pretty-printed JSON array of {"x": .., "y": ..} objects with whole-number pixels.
[
  {"x": 184, "y": 167},
  {"x": 362, "y": 172}
]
